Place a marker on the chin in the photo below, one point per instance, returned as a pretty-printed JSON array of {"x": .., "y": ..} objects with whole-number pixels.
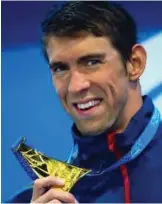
[{"x": 96, "y": 127}]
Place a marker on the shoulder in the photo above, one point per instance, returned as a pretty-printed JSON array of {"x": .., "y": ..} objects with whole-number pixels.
[
  {"x": 158, "y": 136},
  {"x": 23, "y": 196},
  {"x": 154, "y": 149}
]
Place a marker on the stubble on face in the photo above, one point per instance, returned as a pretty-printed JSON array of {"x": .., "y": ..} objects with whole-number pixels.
[{"x": 108, "y": 83}]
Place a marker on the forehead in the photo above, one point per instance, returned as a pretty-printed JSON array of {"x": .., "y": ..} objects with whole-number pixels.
[{"x": 71, "y": 48}]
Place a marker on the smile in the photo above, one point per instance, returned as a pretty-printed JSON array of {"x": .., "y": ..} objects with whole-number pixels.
[
  {"x": 87, "y": 108},
  {"x": 90, "y": 104}
]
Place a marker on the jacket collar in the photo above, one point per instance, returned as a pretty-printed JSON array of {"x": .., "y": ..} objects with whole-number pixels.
[{"x": 96, "y": 147}]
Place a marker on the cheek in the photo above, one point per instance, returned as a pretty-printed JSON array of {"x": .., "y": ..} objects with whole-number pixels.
[
  {"x": 113, "y": 86},
  {"x": 107, "y": 81},
  {"x": 60, "y": 88}
]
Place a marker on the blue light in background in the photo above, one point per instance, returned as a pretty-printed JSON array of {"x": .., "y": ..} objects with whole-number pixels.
[{"x": 30, "y": 106}]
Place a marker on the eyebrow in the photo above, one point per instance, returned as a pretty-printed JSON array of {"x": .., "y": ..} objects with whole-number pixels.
[{"x": 80, "y": 59}]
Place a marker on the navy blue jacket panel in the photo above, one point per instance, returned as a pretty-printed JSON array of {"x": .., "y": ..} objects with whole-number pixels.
[{"x": 139, "y": 180}]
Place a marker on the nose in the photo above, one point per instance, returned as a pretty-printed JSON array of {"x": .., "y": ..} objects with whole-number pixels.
[{"x": 78, "y": 82}]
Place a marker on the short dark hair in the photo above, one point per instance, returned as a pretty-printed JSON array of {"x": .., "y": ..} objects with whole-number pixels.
[{"x": 100, "y": 18}]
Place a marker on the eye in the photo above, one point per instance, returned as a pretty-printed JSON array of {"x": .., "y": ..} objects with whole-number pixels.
[
  {"x": 59, "y": 69},
  {"x": 93, "y": 62}
]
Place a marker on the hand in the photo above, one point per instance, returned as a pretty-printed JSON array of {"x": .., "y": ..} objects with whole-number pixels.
[{"x": 54, "y": 194}]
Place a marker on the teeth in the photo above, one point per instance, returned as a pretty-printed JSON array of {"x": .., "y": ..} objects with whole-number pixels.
[{"x": 88, "y": 105}]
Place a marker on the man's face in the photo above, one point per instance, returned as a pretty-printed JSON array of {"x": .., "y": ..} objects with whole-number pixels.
[{"x": 90, "y": 79}]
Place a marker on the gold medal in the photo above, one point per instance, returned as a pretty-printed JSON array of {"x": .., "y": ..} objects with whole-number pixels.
[{"x": 42, "y": 166}]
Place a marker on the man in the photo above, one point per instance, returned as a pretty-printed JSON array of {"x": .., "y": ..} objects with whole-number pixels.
[{"x": 96, "y": 64}]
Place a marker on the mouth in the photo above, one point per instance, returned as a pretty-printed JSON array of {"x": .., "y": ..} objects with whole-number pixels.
[{"x": 87, "y": 108}]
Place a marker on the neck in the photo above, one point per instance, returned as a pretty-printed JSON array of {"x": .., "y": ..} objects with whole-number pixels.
[{"x": 134, "y": 103}]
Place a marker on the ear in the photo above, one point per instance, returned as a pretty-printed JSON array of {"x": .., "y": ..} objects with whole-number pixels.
[{"x": 137, "y": 62}]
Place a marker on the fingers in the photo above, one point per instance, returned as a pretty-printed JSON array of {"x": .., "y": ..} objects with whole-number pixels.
[
  {"x": 54, "y": 201},
  {"x": 40, "y": 185},
  {"x": 53, "y": 195}
]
